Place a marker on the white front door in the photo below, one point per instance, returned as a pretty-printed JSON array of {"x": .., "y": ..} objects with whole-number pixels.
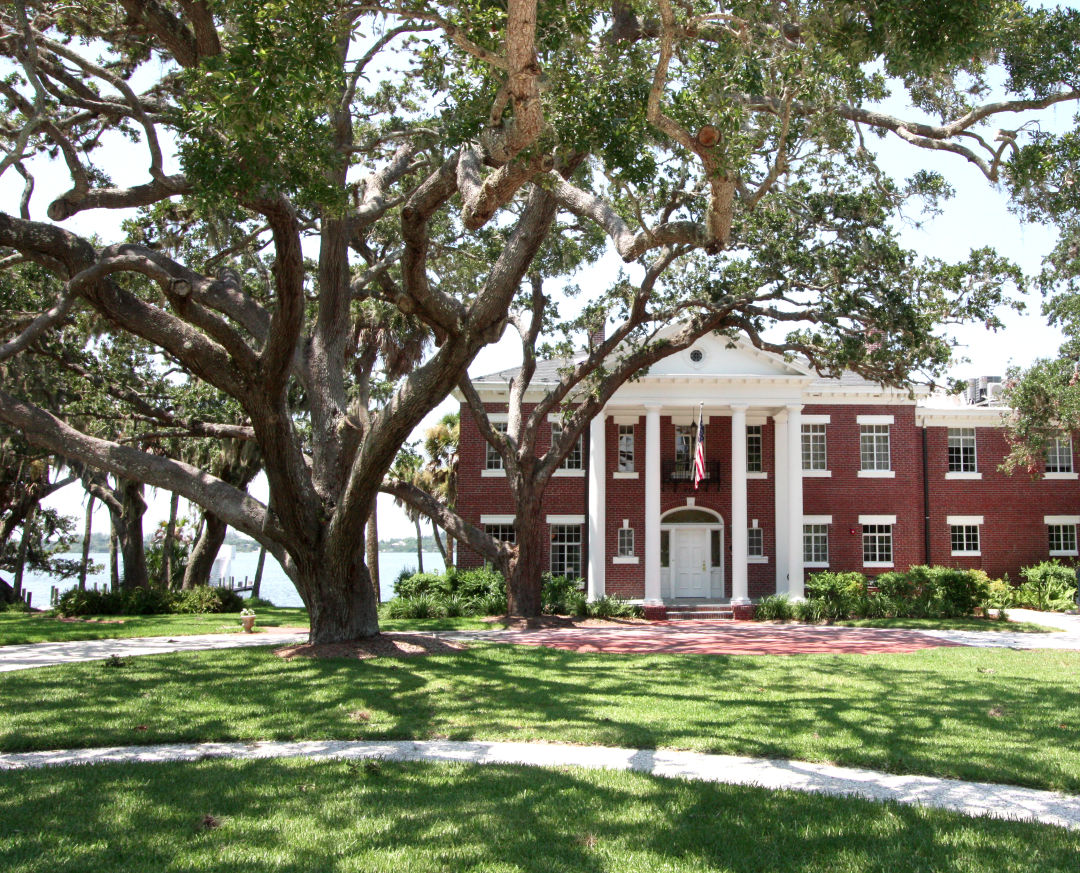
[{"x": 691, "y": 562}]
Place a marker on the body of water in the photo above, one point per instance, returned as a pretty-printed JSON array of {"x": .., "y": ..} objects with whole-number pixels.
[{"x": 276, "y": 586}]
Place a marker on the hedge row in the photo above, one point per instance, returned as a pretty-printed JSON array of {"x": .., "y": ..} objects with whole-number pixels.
[
  {"x": 148, "y": 601},
  {"x": 923, "y": 592},
  {"x": 483, "y": 592}
]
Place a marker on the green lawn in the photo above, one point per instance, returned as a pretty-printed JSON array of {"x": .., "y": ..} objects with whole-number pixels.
[
  {"x": 295, "y": 815},
  {"x": 963, "y": 624},
  {"x": 39, "y": 627},
  {"x": 983, "y": 714}
]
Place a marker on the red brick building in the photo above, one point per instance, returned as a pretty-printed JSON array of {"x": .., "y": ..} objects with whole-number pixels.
[{"x": 800, "y": 473}]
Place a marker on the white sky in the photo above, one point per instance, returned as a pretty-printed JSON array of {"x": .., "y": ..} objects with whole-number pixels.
[{"x": 976, "y": 217}]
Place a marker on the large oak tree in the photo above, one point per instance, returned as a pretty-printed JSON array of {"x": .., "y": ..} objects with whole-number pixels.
[{"x": 416, "y": 155}]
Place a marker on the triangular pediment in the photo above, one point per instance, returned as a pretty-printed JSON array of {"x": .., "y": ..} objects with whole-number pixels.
[{"x": 722, "y": 356}]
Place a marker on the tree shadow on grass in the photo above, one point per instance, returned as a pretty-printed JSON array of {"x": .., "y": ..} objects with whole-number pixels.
[
  {"x": 295, "y": 815},
  {"x": 996, "y": 716}
]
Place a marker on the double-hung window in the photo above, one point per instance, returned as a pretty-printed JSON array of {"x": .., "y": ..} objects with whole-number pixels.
[
  {"x": 755, "y": 542},
  {"x": 874, "y": 447},
  {"x": 814, "y": 456},
  {"x": 1061, "y": 534},
  {"x": 626, "y": 448},
  {"x": 684, "y": 450},
  {"x": 815, "y": 545},
  {"x": 961, "y": 450},
  {"x": 626, "y": 543},
  {"x": 753, "y": 448},
  {"x": 574, "y": 459},
  {"x": 504, "y": 532},
  {"x": 492, "y": 459},
  {"x": 1059, "y": 455},
  {"x": 877, "y": 539},
  {"x": 566, "y": 550},
  {"x": 964, "y": 538}
]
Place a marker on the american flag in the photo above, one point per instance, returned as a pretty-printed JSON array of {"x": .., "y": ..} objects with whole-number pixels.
[{"x": 699, "y": 452}]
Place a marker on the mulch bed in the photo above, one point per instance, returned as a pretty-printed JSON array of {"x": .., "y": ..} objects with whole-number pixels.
[{"x": 382, "y": 646}]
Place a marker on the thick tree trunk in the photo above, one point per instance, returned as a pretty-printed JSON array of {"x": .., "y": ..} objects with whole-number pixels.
[
  {"x": 524, "y": 578},
  {"x": 88, "y": 529},
  {"x": 24, "y": 547},
  {"x": 371, "y": 548},
  {"x": 167, "y": 545},
  {"x": 256, "y": 585},
  {"x": 419, "y": 547},
  {"x": 340, "y": 600},
  {"x": 201, "y": 560},
  {"x": 131, "y": 537}
]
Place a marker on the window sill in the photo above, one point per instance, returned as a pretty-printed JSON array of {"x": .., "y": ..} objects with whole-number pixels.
[
  {"x": 1064, "y": 553},
  {"x": 878, "y": 564},
  {"x": 816, "y": 474},
  {"x": 1061, "y": 476},
  {"x": 963, "y": 475},
  {"x": 966, "y": 554},
  {"x": 571, "y": 473},
  {"x": 877, "y": 474},
  {"x": 757, "y": 559},
  {"x": 493, "y": 474},
  {"x": 626, "y": 474},
  {"x": 816, "y": 565},
  {"x": 625, "y": 559},
  {"x": 757, "y": 475}
]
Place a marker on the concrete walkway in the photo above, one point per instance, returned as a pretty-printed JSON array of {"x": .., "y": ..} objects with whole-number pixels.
[
  {"x": 49, "y": 654},
  {"x": 968, "y": 798}
]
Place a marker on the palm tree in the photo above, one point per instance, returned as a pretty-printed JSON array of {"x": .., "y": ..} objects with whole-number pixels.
[
  {"x": 409, "y": 468},
  {"x": 441, "y": 444}
]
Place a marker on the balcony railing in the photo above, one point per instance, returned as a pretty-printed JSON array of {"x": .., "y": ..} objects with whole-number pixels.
[{"x": 677, "y": 475}]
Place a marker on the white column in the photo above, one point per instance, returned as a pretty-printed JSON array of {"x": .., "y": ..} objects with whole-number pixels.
[
  {"x": 795, "y": 503},
  {"x": 597, "y": 504},
  {"x": 780, "y": 487},
  {"x": 738, "y": 504},
  {"x": 652, "y": 503}
]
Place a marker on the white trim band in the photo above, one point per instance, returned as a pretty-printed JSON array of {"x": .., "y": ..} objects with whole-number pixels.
[
  {"x": 566, "y": 519},
  {"x": 875, "y": 419},
  {"x": 964, "y": 519},
  {"x": 877, "y": 519},
  {"x": 496, "y": 519}
]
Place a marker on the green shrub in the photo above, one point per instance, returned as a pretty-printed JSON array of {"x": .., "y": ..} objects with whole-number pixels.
[
  {"x": 259, "y": 603},
  {"x": 455, "y": 605},
  {"x": 560, "y": 594},
  {"x": 74, "y": 602},
  {"x": 896, "y": 586},
  {"x": 202, "y": 599},
  {"x": 957, "y": 592},
  {"x": 1049, "y": 585},
  {"x": 775, "y": 607},
  {"x": 418, "y": 584},
  {"x": 999, "y": 594},
  {"x": 840, "y": 594},
  {"x": 145, "y": 601},
  {"x": 472, "y": 584},
  {"x": 611, "y": 606}
]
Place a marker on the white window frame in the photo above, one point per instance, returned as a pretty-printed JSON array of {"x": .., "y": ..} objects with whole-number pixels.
[
  {"x": 962, "y": 441},
  {"x": 1066, "y": 524},
  {"x": 625, "y": 543},
  {"x": 815, "y": 521},
  {"x": 877, "y": 434},
  {"x": 560, "y": 537},
  {"x": 755, "y": 539},
  {"x": 627, "y": 431},
  {"x": 879, "y": 526},
  {"x": 493, "y": 461},
  {"x": 812, "y": 437},
  {"x": 969, "y": 537},
  {"x": 1059, "y": 458},
  {"x": 574, "y": 462},
  {"x": 755, "y": 432}
]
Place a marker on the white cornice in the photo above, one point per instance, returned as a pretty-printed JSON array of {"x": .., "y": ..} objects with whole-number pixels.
[{"x": 962, "y": 416}]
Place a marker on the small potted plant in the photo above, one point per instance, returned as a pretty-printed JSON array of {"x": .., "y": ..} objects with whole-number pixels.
[{"x": 247, "y": 619}]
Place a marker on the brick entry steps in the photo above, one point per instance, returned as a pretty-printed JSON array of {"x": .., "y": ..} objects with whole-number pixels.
[{"x": 699, "y": 612}]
